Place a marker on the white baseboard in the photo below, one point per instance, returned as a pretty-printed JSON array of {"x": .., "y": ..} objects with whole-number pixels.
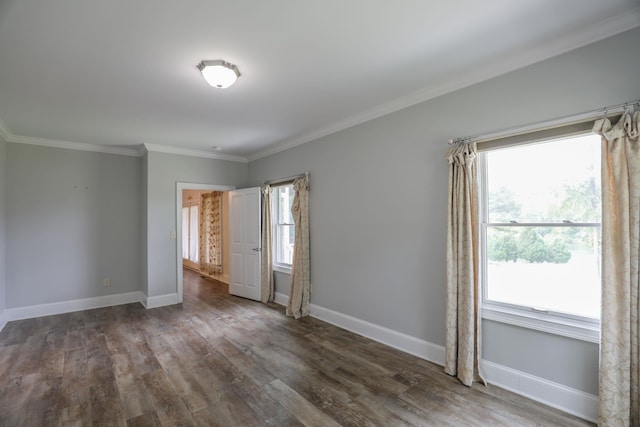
[
  {"x": 281, "y": 299},
  {"x": 412, "y": 345},
  {"x": 159, "y": 301},
  {"x": 224, "y": 278},
  {"x": 32, "y": 311},
  {"x": 3, "y": 320},
  {"x": 567, "y": 399},
  {"x": 556, "y": 395}
]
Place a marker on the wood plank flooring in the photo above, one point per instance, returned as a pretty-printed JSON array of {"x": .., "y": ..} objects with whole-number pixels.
[{"x": 218, "y": 360}]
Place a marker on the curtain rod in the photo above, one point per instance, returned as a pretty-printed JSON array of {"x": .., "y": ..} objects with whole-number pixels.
[
  {"x": 287, "y": 179},
  {"x": 589, "y": 115}
]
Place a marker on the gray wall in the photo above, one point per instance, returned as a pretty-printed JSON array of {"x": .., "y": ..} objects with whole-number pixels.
[
  {"x": 538, "y": 354},
  {"x": 378, "y": 199},
  {"x": 282, "y": 282},
  {"x": 163, "y": 171},
  {"x": 73, "y": 218},
  {"x": 3, "y": 185}
]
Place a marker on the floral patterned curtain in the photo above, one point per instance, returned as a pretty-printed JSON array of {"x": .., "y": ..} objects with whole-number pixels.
[
  {"x": 211, "y": 232},
  {"x": 298, "y": 305},
  {"x": 462, "y": 350},
  {"x": 620, "y": 313}
]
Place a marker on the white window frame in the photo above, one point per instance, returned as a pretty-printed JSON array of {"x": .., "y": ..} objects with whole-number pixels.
[
  {"x": 278, "y": 266},
  {"x": 577, "y": 327}
]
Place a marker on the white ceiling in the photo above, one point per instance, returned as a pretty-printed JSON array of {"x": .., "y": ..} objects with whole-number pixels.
[{"x": 122, "y": 73}]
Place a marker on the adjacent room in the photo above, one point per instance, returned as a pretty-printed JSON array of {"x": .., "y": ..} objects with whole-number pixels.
[{"x": 331, "y": 213}]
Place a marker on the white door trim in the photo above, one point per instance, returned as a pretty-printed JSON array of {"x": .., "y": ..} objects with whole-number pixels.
[{"x": 188, "y": 186}]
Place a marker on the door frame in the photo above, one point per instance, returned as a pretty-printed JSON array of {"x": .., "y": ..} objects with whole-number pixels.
[{"x": 179, "y": 187}]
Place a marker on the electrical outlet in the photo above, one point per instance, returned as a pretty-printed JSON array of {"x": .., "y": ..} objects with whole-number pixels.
[{"x": 106, "y": 282}]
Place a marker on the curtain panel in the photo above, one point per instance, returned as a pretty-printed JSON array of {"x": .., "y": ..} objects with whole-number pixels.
[
  {"x": 619, "y": 374},
  {"x": 211, "y": 232},
  {"x": 298, "y": 305},
  {"x": 267, "y": 291},
  {"x": 462, "y": 347}
]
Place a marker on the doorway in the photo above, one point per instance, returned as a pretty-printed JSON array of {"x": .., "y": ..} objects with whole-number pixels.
[
  {"x": 205, "y": 246},
  {"x": 183, "y": 191}
]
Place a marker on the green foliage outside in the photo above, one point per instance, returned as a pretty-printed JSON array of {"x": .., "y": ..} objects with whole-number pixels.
[
  {"x": 526, "y": 244},
  {"x": 504, "y": 248},
  {"x": 577, "y": 203}
]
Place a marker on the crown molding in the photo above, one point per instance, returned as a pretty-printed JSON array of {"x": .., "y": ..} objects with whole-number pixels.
[
  {"x": 45, "y": 142},
  {"x": 574, "y": 40},
  {"x": 585, "y": 36},
  {"x": 192, "y": 152},
  {"x": 123, "y": 151},
  {"x": 81, "y": 146}
]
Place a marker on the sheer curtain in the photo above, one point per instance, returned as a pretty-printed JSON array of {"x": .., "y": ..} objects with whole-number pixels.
[
  {"x": 211, "y": 232},
  {"x": 190, "y": 233},
  {"x": 619, "y": 387},
  {"x": 462, "y": 347},
  {"x": 185, "y": 232},
  {"x": 194, "y": 234},
  {"x": 267, "y": 292},
  {"x": 298, "y": 305}
]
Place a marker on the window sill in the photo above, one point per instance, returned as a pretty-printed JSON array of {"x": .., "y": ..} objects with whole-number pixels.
[
  {"x": 576, "y": 329},
  {"x": 282, "y": 269}
]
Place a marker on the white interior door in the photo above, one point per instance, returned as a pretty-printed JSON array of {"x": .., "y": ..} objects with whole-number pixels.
[{"x": 244, "y": 221}]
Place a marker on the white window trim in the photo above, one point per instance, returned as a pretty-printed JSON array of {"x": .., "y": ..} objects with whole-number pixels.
[
  {"x": 576, "y": 327},
  {"x": 282, "y": 268},
  {"x": 579, "y": 329}
]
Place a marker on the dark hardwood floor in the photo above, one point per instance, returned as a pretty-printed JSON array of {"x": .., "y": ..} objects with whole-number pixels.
[{"x": 218, "y": 360}]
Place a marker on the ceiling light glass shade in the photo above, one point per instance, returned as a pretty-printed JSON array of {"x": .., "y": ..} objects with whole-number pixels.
[{"x": 218, "y": 73}]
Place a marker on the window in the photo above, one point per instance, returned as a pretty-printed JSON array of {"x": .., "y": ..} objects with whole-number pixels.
[
  {"x": 540, "y": 234},
  {"x": 284, "y": 228}
]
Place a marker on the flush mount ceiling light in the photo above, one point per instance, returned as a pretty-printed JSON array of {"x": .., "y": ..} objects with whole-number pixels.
[{"x": 219, "y": 74}]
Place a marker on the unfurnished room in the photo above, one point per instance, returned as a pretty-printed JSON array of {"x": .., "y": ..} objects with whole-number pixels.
[{"x": 337, "y": 213}]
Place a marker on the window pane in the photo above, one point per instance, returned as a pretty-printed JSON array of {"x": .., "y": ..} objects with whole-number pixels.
[
  {"x": 284, "y": 232},
  {"x": 284, "y": 195},
  {"x": 548, "y": 182},
  {"x": 284, "y": 244},
  {"x": 549, "y": 268}
]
